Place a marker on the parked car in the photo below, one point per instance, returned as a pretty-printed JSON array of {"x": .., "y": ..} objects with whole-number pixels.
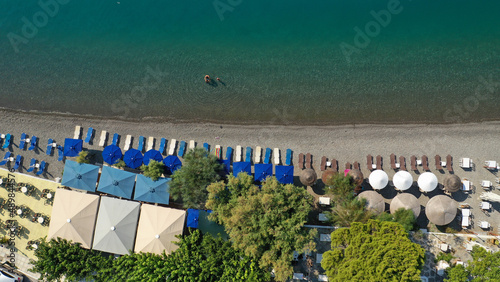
[{"x": 8, "y": 275}]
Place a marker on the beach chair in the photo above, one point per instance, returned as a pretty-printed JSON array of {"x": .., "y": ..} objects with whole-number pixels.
[
  {"x": 257, "y": 155},
  {"x": 17, "y": 164},
  {"x": 348, "y": 165},
  {"x": 335, "y": 165},
  {"x": 32, "y": 165},
  {"x": 449, "y": 161},
  {"x": 248, "y": 155},
  {"x": 218, "y": 151},
  {"x": 128, "y": 142},
  {"x": 402, "y": 163},
  {"x": 369, "y": 162},
  {"x": 41, "y": 168},
  {"x": 355, "y": 165},
  {"x": 104, "y": 137},
  {"x": 323, "y": 164},
  {"x": 288, "y": 159},
  {"x": 78, "y": 129},
  {"x": 90, "y": 133},
  {"x": 437, "y": 160},
  {"x": 182, "y": 148},
  {"x": 49, "y": 147},
  {"x": 116, "y": 139},
  {"x": 151, "y": 143},
  {"x": 425, "y": 163},
  {"x": 163, "y": 143},
  {"x": 140, "y": 146},
  {"x": 173, "y": 144},
  {"x": 413, "y": 161},
  {"x": 379, "y": 162},
  {"x": 301, "y": 161},
  {"x": 393, "y": 161},
  {"x": 276, "y": 154},
  {"x": 33, "y": 143},
  {"x": 229, "y": 153},
  {"x": 308, "y": 160},
  {"x": 60, "y": 153},
  {"x": 238, "y": 154},
  {"x": 6, "y": 159},
  {"x": 267, "y": 156},
  {"x": 206, "y": 146},
  {"x": 7, "y": 141},
  {"x": 22, "y": 144},
  {"x": 192, "y": 144}
]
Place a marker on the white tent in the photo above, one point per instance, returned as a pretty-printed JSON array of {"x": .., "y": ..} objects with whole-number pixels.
[
  {"x": 378, "y": 179},
  {"x": 402, "y": 180},
  {"x": 427, "y": 181}
]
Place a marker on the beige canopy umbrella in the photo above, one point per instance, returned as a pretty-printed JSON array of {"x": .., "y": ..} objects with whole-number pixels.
[
  {"x": 407, "y": 201},
  {"x": 157, "y": 229},
  {"x": 308, "y": 177},
  {"x": 441, "y": 210},
  {"x": 357, "y": 176},
  {"x": 73, "y": 216},
  {"x": 327, "y": 174},
  {"x": 374, "y": 201},
  {"x": 452, "y": 183}
]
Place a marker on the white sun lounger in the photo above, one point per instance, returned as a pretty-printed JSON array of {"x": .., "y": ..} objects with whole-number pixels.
[
  {"x": 173, "y": 143},
  {"x": 128, "y": 140},
  {"x": 78, "y": 130},
  {"x": 238, "y": 153},
  {"x": 151, "y": 143},
  {"x": 191, "y": 144},
  {"x": 276, "y": 154},
  {"x": 104, "y": 136},
  {"x": 257, "y": 154},
  {"x": 218, "y": 152}
]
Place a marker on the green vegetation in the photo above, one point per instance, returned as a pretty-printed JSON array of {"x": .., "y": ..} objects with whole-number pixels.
[
  {"x": 485, "y": 266},
  {"x": 190, "y": 182},
  {"x": 457, "y": 274},
  {"x": 267, "y": 223},
  {"x": 346, "y": 212},
  {"x": 120, "y": 164},
  {"x": 135, "y": 267},
  {"x": 153, "y": 170},
  {"x": 376, "y": 251},
  {"x": 83, "y": 157},
  {"x": 402, "y": 216},
  {"x": 340, "y": 187}
]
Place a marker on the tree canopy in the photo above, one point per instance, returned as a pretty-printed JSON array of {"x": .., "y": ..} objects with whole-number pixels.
[
  {"x": 83, "y": 157},
  {"x": 153, "y": 170},
  {"x": 135, "y": 267},
  {"x": 485, "y": 266},
  {"x": 346, "y": 212},
  {"x": 375, "y": 251},
  {"x": 341, "y": 187},
  {"x": 189, "y": 183},
  {"x": 266, "y": 223},
  {"x": 402, "y": 216}
]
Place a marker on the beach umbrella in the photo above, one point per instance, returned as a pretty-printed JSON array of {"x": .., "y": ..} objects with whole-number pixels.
[
  {"x": 151, "y": 191},
  {"x": 116, "y": 226},
  {"x": 407, "y": 201},
  {"x": 262, "y": 171},
  {"x": 402, "y": 180},
  {"x": 427, "y": 181},
  {"x": 72, "y": 147},
  {"x": 193, "y": 217},
  {"x": 80, "y": 176},
  {"x": 374, "y": 201},
  {"x": 327, "y": 174},
  {"x": 378, "y": 179},
  {"x": 441, "y": 210},
  {"x": 357, "y": 176},
  {"x": 284, "y": 174},
  {"x": 152, "y": 155},
  {"x": 205, "y": 225},
  {"x": 116, "y": 182},
  {"x": 73, "y": 217},
  {"x": 172, "y": 163},
  {"x": 308, "y": 177},
  {"x": 226, "y": 166},
  {"x": 111, "y": 154},
  {"x": 158, "y": 228},
  {"x": 452, "y": 183},
  {"x": 239, "y": 167},
  {"x": 133, "y": 158}
]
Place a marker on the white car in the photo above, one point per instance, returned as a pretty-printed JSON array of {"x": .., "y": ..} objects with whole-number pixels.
[{"x": 6, "y": 276}]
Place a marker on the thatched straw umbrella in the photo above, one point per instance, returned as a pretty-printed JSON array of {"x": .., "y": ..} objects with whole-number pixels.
[
  {"x": 407, "y": 201},
  {"x": 357, "y": 176},
  {"x": 441, "y": 210},
  {"x": 327, "y": 174},
  {"x": 308, "y": 177},
  {"x": 374, "y": 201},
  {"x": 452, "y": 183}
]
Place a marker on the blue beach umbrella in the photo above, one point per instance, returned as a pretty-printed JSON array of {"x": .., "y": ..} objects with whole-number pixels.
[
  {"x": 284, "y": 174},
  {"x": 116, "y": 182},
  {"x": 72, "y": 147},
  {"x": 80, "y": 176},
  {"x": 111, "y": 154},
  {"x": 151, "y": 191},
  {"x": 262, "y": 171},
  {"x": 226, "y": 166},
  {"x": 239, "y": 167},
  {"x": 172, "y": 163},
  {"x": 133, "y": 158},
  {"x": 193, "y": 216},
  {"x": 152, "y": 155}
]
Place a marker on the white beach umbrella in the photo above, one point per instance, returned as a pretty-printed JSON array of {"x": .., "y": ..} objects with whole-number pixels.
[
  {"x": 427, "y": 181},
  {"x": 378, "y": 179},
  {"x": 402, "y": 180}
]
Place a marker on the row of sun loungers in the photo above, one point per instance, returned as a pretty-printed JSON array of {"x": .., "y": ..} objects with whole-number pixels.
[
  {"x": 424, "y": 162},
  {"x": 18, "y": 163}
]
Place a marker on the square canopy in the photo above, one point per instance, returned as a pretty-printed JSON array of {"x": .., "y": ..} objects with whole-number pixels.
[
  {"x": 262, "y": 171},
  {"x": 151, "y": 191},
  {"x": 239, "y": 167},
  {"x": 116, "y": 182},
  {"x": 72, "y": 147},
  {"x": 284, "y": 174},
  {"x": 80, "y": 176}
]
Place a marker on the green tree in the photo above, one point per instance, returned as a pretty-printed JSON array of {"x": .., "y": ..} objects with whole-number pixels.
[
  {"x": 375, "y": 251},
  {"x": 457, "y": 273},
  {"x": 190, "y": 182},
  {"x": 60, "y": 258},
  {"x": 341, "y": 187},
  {"x": 83, "y": 157},
  {"x": 402, "y": 216},
  {"x": 120, "y": 164},
  {"x": 346, "y": 212},
  {"x": 266, "y": 223},
  {"x": 135, "y": 267},
  {"x": 153, "y": 170}
]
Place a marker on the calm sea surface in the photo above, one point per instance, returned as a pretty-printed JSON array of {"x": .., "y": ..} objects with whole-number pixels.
[{"x": 296, "y": 61}]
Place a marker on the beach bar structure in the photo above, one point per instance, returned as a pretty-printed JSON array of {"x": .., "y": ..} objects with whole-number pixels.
[{"x": 80, "y": 176}]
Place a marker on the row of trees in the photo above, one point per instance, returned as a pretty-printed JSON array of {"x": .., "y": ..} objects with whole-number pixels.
[{"x": 485, "y": 266}]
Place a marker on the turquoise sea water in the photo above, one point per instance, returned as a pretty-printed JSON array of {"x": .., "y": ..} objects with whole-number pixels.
[{"x": 432, "y": 61}]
